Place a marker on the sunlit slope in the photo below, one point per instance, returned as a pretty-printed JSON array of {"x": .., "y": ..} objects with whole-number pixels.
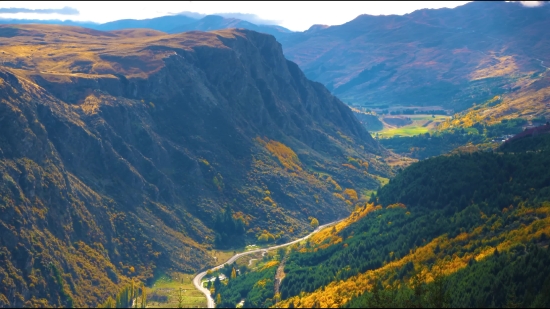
[{"x": 436, "y": 219}]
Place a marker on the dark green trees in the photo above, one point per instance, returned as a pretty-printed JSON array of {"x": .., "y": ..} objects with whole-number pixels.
[{"x": 229, "y": 230}]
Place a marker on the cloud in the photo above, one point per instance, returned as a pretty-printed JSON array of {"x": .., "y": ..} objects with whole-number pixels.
[
  {"x": 64, "y": 11},
  {"x": 532, "y": 4},
  {"x": 194, "y": 15},
  {"x": 252, "y": 18}
]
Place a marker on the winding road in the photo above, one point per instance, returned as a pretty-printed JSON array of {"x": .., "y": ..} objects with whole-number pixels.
[
  {"x": 197, "y": 281},
  {"x": 542, "y": 64}
]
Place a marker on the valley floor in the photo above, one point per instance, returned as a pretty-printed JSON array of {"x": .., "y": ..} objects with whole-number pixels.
[{"x": 199, "y": 282}]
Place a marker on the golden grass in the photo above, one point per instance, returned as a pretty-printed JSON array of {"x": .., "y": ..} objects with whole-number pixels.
[
  {"x": 494, "y": 67},
  {"x": 526, "y": 103},
  {"x": 73, "y": 50},
  {"x": 286, "y": 156},
  {"x": 137, "y": 33},
  {"x": 328, "y": 232}
]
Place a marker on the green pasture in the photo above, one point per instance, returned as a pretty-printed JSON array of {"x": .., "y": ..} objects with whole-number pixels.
[
  {"x": 420, "y": 124},
  {"x": 167, "y": 286}
]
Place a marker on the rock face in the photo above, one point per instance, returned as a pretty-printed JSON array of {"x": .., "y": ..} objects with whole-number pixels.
[{"x": 117, "y": 150}]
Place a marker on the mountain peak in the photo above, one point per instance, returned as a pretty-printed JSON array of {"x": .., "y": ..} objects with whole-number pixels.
[{"x": 316, "y": 28}]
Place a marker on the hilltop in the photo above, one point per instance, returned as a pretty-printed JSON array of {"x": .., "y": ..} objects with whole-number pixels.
[{"x": 128, "y": 153}]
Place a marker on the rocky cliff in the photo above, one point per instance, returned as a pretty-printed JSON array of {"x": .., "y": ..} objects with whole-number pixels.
[{"x": 118, "y": 149}]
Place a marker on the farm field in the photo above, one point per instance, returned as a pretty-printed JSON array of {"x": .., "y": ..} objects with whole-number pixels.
[
  {"x": 165, "y": 292},
  {"x": 221, "y": 256},
  {"x": 418, "y": 124}
]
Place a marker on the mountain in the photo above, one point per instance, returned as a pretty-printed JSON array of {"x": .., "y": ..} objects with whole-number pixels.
[
  {"x": 164, "y": 23},
  {"x": 13, "y": 21},
  {"x": 445, "y": 58},
  {"x": 214, "y": 22},
  {"x": 168, "y": 24},
  {"x": 125, "y": 154},
  {"x": 182, "y": 23},
  {"x": 469, "y": 230}
]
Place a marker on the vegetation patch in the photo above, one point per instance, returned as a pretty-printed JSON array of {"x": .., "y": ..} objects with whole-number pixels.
[{"x": 284, "y": 154}]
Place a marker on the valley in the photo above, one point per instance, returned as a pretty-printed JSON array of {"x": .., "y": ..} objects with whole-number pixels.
[
  {"x": 195, "y": 160},
  {"x": 198, "y": 280}
]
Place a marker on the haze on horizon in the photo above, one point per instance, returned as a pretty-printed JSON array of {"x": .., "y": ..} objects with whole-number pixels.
[{"x": 296, "y": 16}]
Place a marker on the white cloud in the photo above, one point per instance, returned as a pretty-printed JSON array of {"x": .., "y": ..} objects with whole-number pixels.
[
  {"x": 63, "y": 11},
  {"x": 532, "y": 4}
]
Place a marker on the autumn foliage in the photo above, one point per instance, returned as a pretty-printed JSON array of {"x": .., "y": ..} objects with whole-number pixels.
[
  {"x": 351, "y": 194},
  {"x": 286, "y": 156}
]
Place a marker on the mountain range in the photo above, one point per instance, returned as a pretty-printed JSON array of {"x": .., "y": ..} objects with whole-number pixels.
[
  {"x": 168, "y": 24},
  {"x": 446, "y": 58}
]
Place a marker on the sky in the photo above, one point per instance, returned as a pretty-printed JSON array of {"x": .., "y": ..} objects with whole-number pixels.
[{"x": 296, "y": 16}]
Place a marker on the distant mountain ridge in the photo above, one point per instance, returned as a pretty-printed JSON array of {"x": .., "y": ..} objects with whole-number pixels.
[
  {"x": 169, "y": 24},
  {"x": 164, "y": 23},
  {"x": 215, "y": 22}
]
